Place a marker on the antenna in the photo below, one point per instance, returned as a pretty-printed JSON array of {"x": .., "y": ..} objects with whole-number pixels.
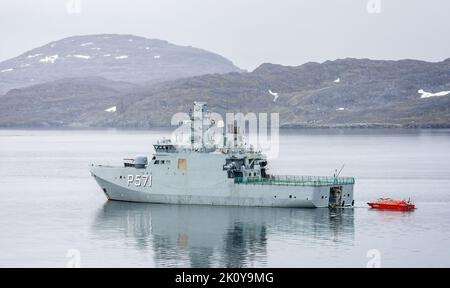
[{"x": 337, "y": 175}]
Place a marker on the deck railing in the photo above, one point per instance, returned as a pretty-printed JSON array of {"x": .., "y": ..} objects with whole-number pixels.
[{"x": 296, "y": 180}]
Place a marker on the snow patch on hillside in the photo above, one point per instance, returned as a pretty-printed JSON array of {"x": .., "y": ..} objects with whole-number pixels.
[
  {"x": 430, "y": 94},
  {"x": 274, "y": 94},
  {"x": 111, "y": 110},
  {"x": 35, "y": 55},
  {"x": 82, "y": 56},
  {"x": 49, "y": 59}
]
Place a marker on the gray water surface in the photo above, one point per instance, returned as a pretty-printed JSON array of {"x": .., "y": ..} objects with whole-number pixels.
[{"x": 50, "y": 205}]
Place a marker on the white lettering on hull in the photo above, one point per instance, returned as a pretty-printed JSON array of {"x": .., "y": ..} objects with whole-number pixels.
[{"x": 139, "y": 180}]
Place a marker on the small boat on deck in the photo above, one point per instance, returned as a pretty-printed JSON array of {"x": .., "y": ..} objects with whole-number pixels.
[{"x": 391, "y": 204}]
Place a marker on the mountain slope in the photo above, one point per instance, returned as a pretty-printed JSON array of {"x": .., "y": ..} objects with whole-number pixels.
[
  {"x": 62, "y": 103},
  {"x": 342, "y": 92},
  {"x": 116, "y": 57},
  {"x": 346, "y": 92}
]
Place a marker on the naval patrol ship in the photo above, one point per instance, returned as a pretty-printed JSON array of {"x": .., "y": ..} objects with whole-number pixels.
[{"x": 200, "y": 173}]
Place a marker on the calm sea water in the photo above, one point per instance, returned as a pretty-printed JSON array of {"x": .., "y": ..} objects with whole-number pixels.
[{"x": 51, "y": 207}]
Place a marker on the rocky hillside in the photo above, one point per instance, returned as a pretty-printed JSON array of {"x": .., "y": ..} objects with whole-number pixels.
[
  {"x": 62, "y": 103},
  {"x": 347, "y": 92},
  {"x": 115, "y": 57}
]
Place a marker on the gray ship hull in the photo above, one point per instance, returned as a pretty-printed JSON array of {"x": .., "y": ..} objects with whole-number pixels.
[
  {"x": 201, "y": 180},
  {"x": 252, "y": 197}
]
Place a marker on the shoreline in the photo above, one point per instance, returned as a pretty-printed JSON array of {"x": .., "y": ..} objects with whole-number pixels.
[{"x": 282, "y": 128}]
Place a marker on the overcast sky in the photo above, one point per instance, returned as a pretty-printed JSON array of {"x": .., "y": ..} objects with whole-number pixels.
[{"x": 248, "y": 32}]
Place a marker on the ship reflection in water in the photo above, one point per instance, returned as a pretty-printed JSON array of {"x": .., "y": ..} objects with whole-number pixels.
[{"x": 214, "y": 236}]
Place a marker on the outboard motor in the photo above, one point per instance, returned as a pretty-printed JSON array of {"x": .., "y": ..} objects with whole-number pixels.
[{"x": 140, "y": 162}]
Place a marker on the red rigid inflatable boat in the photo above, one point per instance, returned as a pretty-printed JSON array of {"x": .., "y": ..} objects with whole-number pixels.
[{"x": 390, "y": 204}]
